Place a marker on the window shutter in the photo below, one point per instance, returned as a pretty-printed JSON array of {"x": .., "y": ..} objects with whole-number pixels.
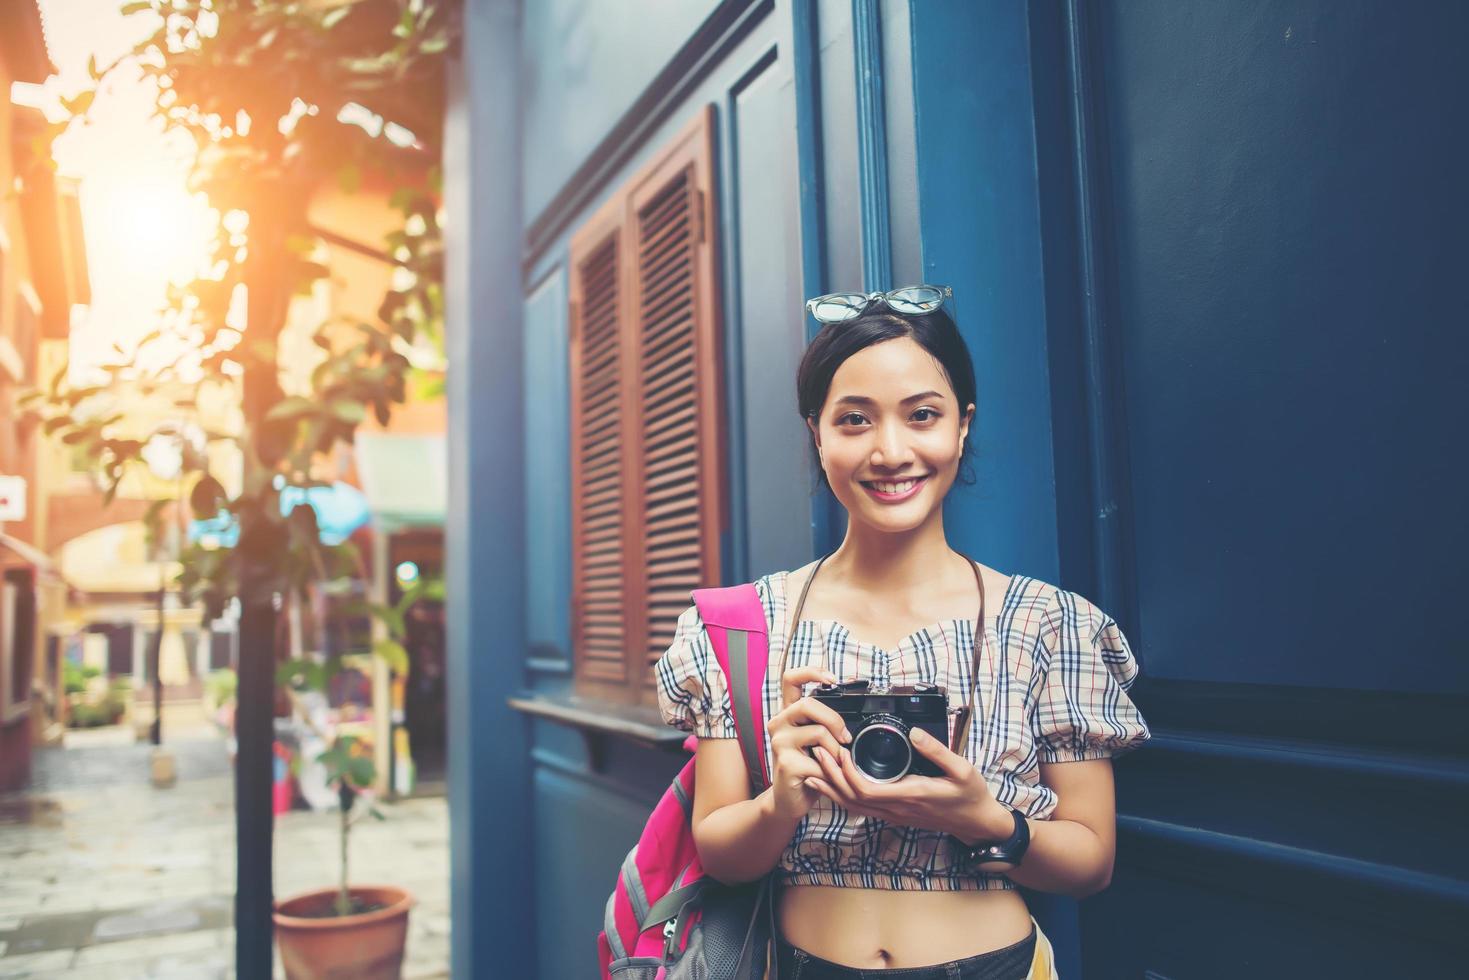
[
  {"x": 658, "y": 426},
  {"x": 599, "y": 485},
  {"x": 679, "y": 388}
]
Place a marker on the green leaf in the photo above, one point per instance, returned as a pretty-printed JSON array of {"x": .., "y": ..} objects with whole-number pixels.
[
  {"x": 290, "y": 408},
  {"x": 136, "y": 7},
  {"x": 79, "y": 104},
  {"x": 361, "y": 772},
  {"x": 303, "y": 675},
  {"x": 393, "y": 654},
  {"x": 334, "y": 16},
  {"x": 348, "y": 411},
  {"x": 391, "y": 618}
]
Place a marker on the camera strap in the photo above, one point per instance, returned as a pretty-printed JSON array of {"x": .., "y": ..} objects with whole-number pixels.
[{"x": 966, "y": 714}]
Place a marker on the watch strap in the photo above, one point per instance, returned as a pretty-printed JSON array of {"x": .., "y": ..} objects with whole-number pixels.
[{"x": 1011, "y": 850}]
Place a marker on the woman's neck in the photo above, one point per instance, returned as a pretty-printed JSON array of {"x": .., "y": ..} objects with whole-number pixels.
[{"x": 892, "y": 564}]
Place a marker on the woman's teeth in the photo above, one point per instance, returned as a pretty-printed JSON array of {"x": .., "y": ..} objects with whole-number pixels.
[{"x": 902, "y": 487}]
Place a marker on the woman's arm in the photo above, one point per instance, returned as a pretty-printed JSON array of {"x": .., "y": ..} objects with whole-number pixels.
[
  {"x": 1072, "y": 852},
  {"x": 738, "y": 838}
]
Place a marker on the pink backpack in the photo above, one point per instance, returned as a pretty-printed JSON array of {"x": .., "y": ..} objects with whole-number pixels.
[{"x": 667, "y": 920}]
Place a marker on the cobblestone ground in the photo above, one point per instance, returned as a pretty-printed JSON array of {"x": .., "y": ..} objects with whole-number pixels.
[{"x": 105, "y": 877}]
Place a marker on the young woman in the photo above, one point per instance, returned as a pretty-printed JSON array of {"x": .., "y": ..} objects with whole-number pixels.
[{"x": 895, "y": 876}]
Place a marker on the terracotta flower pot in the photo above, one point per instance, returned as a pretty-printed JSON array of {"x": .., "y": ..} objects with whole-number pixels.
[{"x": 368, "y": 945}]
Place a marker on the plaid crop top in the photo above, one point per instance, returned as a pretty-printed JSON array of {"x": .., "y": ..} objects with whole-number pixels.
[{"x": 1056, "y": 694}]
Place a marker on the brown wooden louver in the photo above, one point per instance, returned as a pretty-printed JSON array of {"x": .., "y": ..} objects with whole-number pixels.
[{"x": 648, "y": 496}]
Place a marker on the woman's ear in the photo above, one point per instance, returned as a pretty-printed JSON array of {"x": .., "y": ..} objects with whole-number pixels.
[
  {"x": 815, "y": 433},
  {"x": 964, "y": 426}
]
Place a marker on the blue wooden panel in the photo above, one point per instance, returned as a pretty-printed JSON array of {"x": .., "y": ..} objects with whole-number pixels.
[
  {"x": 585, "y": 63},
  {"x": 582, "y": 834},
  {"x": 978, "y": 202},
  {"x": 764, "y": 234},
  {"x": 488, "y": 763},
  {"x": 1289, "y": 211},
  {"x": 836, "y": 72},
  {"x": 547, "y": 474},
  {"x": 902, "y": 143},
  {"x": 872, "y": 145}
]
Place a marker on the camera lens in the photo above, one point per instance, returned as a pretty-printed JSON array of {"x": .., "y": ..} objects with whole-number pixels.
[{"x": 881, "y": 749}]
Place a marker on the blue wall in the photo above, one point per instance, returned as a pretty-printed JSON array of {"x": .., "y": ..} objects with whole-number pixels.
[{"x": 1203, "y": 258}]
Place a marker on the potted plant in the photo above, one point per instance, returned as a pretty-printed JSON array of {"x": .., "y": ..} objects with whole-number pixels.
[
  {"x": 348, "y": 930},
  {"x": 357, "y": 931}
]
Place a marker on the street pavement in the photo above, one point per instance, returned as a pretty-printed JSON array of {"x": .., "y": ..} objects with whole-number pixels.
[{"x": 103, "y": 876}]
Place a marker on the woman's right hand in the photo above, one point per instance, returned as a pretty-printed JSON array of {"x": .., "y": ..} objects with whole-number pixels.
[{"x": 803, "y": 725}]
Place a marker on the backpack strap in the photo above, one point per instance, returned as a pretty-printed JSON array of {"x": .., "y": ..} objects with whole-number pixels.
[{"x": 734, "y": 618}]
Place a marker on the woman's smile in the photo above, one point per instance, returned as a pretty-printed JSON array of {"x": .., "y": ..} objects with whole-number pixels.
[{"x": 893, "y": 492}]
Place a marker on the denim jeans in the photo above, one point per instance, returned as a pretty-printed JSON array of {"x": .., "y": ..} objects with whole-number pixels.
[{"x": 1010, "y": 963}]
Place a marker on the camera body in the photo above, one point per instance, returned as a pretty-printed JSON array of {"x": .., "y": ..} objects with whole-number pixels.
[{"x": 880, "y": 720}]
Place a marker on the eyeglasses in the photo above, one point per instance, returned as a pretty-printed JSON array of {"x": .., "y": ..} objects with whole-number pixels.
[{"x": 905, "y": 300}]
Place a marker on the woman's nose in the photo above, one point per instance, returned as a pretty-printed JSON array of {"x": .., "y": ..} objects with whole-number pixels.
[{"x": 892, "y": 448}]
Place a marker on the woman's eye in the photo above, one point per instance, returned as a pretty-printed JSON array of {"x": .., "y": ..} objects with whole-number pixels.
[{"x": 929, "y": 415}]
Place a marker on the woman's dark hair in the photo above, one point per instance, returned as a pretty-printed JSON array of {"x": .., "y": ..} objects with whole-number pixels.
[{"x": 935, "y": 332}]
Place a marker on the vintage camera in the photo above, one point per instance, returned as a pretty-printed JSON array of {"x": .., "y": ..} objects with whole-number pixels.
[{"x": 880, "y": 720}]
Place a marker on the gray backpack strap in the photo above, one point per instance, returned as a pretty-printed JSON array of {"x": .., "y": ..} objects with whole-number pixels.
[
  {"x": 752, "y": 742},
  {"x": 672, "y": 904}
]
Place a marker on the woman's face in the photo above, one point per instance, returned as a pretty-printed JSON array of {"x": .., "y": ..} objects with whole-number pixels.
[{"x": 891, "y": 418}]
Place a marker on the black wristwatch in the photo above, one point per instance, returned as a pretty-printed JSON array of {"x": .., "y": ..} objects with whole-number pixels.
[{"x": 1010, "y": 850}]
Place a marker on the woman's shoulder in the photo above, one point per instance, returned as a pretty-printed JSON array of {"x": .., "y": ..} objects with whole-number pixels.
[{"x": 1037, "y": 607}]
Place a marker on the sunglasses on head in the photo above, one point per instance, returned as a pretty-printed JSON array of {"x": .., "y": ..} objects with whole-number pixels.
[{"x": 905, "y": 300}]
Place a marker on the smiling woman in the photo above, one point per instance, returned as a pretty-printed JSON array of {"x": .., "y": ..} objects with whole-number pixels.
[{"x": 915, "y": 875}]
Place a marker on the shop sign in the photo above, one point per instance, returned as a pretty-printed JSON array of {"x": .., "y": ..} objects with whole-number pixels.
[{"x": 12, "y": 498}]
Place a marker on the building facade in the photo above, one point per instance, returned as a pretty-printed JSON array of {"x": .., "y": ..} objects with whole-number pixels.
[
  {"x": 42, "y": 274},
  {"x": 1202, "y": 255}
]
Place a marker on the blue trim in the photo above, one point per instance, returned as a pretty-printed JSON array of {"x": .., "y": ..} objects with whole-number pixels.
[
  {"x": 805, "y": 65},
  {"x": 872, "y": 146},
  {"x": 489, "y": 842},
  {"x": 806, "y": 68},
  {"x": 1111, "y": 533},
  {"x": 734, "y": 543},
  {"x": 1298, "y": 862}
]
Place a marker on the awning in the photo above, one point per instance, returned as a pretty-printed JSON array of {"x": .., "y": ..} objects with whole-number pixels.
[{"x": 405, "y": 478}]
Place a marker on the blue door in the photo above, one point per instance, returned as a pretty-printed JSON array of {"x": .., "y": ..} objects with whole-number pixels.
[{"x": 1222, "y": 243}]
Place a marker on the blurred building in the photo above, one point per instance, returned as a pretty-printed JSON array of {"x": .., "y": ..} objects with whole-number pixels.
[
  {"x": 1205, "y": 258},
  {"x": 42, "y": 275}
]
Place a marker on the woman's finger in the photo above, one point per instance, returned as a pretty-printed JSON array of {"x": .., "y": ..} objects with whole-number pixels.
[
  {"x": 825, "y": 789},
  {"x": 952, "y": 764},
  {"x": 794, "y": 679},
  {"x": 809, "y": 712},
  {"x": 808, "y": 736},
  {"x": 833, "y": 771}
]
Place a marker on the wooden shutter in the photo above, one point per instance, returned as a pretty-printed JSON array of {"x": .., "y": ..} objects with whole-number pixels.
[
  {"x": 599, "y": 485},
  {"x": 669, "y": 408}
]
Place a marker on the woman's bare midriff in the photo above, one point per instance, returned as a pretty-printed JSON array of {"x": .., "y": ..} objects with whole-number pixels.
[{"x": 874, "y": 929}]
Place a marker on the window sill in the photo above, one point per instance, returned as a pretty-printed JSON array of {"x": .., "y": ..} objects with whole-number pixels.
[{"x": 598, "y": 720}]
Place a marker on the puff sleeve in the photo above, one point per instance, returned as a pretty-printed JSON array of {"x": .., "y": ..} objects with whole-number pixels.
[
  {"x": 692, "y": 694},
  {"x": 1083, "y": 711}
]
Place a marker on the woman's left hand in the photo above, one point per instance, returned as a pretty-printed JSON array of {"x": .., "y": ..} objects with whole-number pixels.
[{"x": 958, "y": 802}]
